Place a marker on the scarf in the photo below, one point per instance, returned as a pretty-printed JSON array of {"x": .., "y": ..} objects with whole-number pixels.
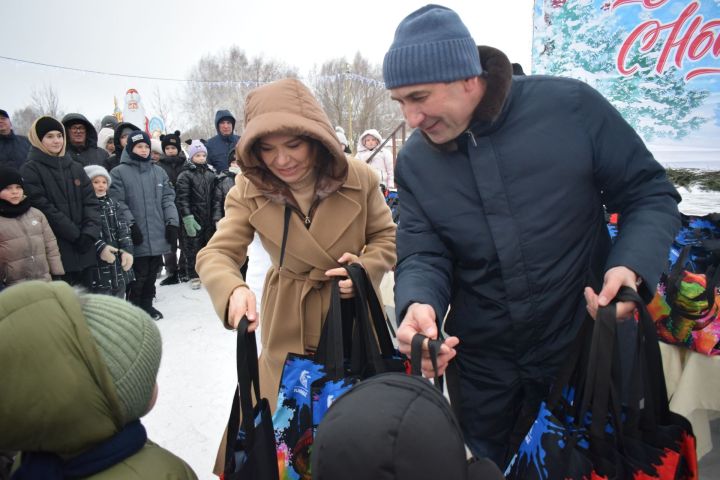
[
  {"x": 112, "y": 451},
  {"x": 9, "y": 210}
]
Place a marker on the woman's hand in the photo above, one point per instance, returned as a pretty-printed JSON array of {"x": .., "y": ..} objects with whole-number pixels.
[
  {"x": 242, "y": 303},
  {"x": 347, "y": 290}
]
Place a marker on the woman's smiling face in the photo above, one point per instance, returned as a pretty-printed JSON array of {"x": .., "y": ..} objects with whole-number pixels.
[{"x": 289, "y": 157}]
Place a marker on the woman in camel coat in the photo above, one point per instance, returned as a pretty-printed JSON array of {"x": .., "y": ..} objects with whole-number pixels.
[{"x": 291, "y": 159}]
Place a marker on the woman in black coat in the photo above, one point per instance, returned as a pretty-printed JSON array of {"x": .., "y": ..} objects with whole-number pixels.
[{"x": 59, "y": 187}]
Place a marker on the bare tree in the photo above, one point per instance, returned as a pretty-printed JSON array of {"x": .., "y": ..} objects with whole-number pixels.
[
  {"x": 222, "y": 81},
  {"x": 162, "y": 108},
  {"x": 354, "y": 97},
  {"x": 23, "y": 119},
  {"x": 46, "y": 101}
]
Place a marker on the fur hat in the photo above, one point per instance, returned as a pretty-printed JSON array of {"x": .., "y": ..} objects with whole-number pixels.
[
  {"x": 105, "y": 135},
  {"x": 431, "y": 45},
  {"x": 171, "y": 139},
  {"x": 47, "y": 124},
  {"x": 340, "y": 133},
  {"x": 156, "y": 146},
  {"x": 95, "y": 170},
  {"x": 196, "y": 146},
  {"x": 129, "y": 342},
  {"x": 9, "y": 176}
]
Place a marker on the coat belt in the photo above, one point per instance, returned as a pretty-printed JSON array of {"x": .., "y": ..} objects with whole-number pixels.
[{"x": 307, "y": 311}]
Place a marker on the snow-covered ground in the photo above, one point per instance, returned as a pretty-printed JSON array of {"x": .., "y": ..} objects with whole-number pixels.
[{"x": 197, "y": 374}]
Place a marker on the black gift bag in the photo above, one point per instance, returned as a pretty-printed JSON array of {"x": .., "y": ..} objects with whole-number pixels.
[{"x": 250, "y": 451}]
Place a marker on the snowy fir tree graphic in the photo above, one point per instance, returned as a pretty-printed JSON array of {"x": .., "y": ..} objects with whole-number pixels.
[{"x": 581, "y": 39}]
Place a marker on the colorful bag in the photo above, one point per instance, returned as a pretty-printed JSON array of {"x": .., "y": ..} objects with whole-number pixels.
[
  {"x": 250, "y": 450},
  {"x": 585, "y": 431},
  {"x": 686, "y": 307},
  {"x": 309, "y": 384}
]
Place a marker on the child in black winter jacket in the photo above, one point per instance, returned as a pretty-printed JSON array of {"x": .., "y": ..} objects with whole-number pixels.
[
  {"x": 173, "y": 162},
  {"x": 114, "y": 248},
  {"x": 194, "y": 191},
  {"x": 225, "y": 181}
]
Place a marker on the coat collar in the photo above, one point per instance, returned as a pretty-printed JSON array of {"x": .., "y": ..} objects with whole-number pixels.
[
  {"x": 333, "y": 217},
  {"x": 498, "y": 77}
]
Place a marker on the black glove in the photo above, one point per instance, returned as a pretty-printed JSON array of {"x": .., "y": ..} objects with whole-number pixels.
[
  {"x": 85, "y": 242},
  {"x": 135, "y": 234},
  {"x": 171, "y": 235}
]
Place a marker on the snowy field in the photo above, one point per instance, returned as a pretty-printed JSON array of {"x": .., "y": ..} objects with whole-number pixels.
[{"x": 197, "y": 374}]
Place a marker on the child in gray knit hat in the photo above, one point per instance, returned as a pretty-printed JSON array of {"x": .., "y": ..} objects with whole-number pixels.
[{"x": 77, "y": 373}]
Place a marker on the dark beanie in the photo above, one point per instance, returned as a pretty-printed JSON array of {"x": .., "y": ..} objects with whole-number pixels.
[
  {"x": 47, "y": 124},
  {"x": 170, "y": 139},
  {"x": 135, "y": 137},
  {"x": 9, "y": 176},
  {"x": 389, "y": 423},
  {"x": 431, "y": 45}
]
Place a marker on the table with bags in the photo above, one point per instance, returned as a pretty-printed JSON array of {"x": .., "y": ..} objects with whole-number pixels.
[{"x": 693, "y": 385}]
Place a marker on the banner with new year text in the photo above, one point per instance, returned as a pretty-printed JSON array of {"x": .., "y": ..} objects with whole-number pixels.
[{"x": 657, "y": 61}]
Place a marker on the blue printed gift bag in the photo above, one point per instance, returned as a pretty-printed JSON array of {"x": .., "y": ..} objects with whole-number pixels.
[{"x": 310, "y": 384}]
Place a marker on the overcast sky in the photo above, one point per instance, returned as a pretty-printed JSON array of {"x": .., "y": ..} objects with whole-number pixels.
[{"x": 165, "y": 38}]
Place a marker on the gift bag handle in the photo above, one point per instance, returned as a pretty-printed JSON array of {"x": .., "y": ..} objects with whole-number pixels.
[{"x": 248, "y": 379}]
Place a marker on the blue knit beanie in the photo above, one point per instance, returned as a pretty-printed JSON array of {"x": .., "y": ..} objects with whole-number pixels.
[{"x": 431, "y": 45}]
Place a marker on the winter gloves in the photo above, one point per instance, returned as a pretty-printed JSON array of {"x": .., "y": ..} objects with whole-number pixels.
[
  {"x": 136, "y": 235},
  {"x": 171, "y": 235},
  {"x": 126, "y": 261},
  {"x": 191, "y": 226},
  {"x": 107, "y": 254},
  {"x": 85, "y": 242}
]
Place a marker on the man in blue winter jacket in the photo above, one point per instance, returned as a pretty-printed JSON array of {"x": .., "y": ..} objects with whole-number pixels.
[
  {"x": 220, "y": 145},
  {"x": 502, "y": 187}
]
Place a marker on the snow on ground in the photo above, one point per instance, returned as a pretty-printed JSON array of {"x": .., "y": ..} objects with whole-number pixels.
[{"x": 197, "y": 375}]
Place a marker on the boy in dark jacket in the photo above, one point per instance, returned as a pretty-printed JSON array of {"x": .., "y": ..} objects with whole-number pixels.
[
  {"x": 225, "y": 181},
  {"x": 114, "y": 248},
  {"x": 147, "y": 203},
  {"x": 172, "y": 161},
  {"x": 194, "y": 189}
]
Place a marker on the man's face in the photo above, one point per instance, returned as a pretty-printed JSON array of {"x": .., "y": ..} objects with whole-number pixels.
[
  {"x": 78, "y": 134},
  {"x": 441, "y": 110},
  {"x": 225, "y": 127},
  {"x": 5, "y": 125}
]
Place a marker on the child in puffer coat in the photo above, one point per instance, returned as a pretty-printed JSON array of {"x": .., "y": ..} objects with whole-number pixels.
[
  {"x": 194, "y": 189},
  {"x": 28, "y": 248},
  {"x": 381, "y": 160},
  {"x": 225, "y": 181},
  {"x": 114, "y": 248}
]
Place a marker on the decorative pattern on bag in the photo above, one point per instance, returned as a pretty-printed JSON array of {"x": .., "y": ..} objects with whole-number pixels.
[
  {"x": 305, "y": 395},
  {"x": 584, "y": 431},
  {"x": 692, "y": 320},
  {"x": 686, "y": 305}
]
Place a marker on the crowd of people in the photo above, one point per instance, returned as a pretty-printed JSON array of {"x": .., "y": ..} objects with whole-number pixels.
[
  {"x": 502, "y": 242},
  {"x": 110, "y": 204}
]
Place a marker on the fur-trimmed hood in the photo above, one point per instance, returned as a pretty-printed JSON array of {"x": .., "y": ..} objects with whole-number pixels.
[
  {"x": 288, "y": 107},
  {"x": 497, "y": 73}
]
